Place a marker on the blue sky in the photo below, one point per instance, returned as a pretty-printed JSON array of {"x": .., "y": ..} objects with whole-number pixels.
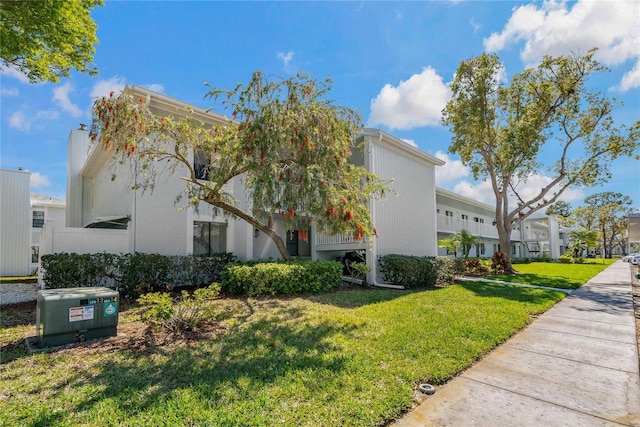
[{"x": 391, "y": 61}]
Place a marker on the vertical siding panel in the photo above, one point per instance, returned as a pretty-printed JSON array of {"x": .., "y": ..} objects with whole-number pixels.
[
  {"x": 15, "y": 221},
  {"x": 405, "y": 222}
]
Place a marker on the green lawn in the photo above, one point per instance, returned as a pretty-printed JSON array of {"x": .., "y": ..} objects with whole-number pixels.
[
  {"x": 345, "y": 358},
  {"x": 555, "y": 275}
]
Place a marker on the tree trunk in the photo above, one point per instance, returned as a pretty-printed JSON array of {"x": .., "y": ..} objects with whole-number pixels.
[{"x": 266, "y": 229}]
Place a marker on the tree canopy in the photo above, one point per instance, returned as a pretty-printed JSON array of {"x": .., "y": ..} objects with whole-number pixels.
[
  {"x": 287, "y": 142},
  {"x": 45, "y": 39},
  {"x": 610, "y": 212},
  {"x": 500, "y": 130}
]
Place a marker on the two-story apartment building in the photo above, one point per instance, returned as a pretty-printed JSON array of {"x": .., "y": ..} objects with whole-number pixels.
[
  {"x": 107, "y": 214},
  {"x": 539, "y": 235}
]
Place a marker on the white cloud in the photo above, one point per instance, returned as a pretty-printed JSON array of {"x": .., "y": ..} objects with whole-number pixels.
[
  {"x": 474, "y": 25},
  {"x": 61, "y": 96},
  {"x": 39, "y": 181},
  {"x": 156, "y": 87},
  {"x": 10, "y": 91},
  {"x": 555, "y": 28},
  {"x": 631, "y": 79},
  {"x": 411, "y": 142},
  {"x": 19, "y": 121},
  {"x": 483, "y": 191},
  {"x": 12, "y": 72},
  {"x": 104, "y": 87},
  {"x": 453, "y": 169},
  {"x": 286, "y": 60},
  {"x": 413, "y": 103}
]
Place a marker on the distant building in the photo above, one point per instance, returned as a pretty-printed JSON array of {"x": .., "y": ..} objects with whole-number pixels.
[
  {"x": 15, "y": 223},
  {"x": 633, "y": 230}
]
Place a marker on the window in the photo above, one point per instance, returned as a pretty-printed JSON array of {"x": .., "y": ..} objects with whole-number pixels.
[
  {"x": 465, "y": 217},
  {"x": 35, "y": 253},
  {"x": 480, "y": 249},
  {"x": 201, "y": 165},
  {"x": 514, "y": 250},
  {"x": 38, "y": 219},
  {"x": 478, "y": 220},
  {"x": 209, "y": 238},
  {"x": 449, "y": 216}
]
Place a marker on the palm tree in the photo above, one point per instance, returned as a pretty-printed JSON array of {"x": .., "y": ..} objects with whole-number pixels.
[
  {"x": 465, "y": 241},
  {"x": 450, "y": 245},
  {"x": 582, "y": 240}
]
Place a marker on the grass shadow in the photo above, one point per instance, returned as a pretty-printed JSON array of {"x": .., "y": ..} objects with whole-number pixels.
[
  {"x": 511, "y": 292},
  {"x": 248, "y": 360}
]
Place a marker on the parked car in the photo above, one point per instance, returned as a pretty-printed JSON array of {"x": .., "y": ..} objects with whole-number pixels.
[
  {"x": 635, "y": 260},
  {"x": 629, "y": 257}
]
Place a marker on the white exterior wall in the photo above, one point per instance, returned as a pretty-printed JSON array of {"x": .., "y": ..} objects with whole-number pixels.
[
  {"x": 53, "y": 214},
  {"x": 15, "y": 223},
  {"x": 406, "y": 222},
  {"x": 78, "y": 146}
]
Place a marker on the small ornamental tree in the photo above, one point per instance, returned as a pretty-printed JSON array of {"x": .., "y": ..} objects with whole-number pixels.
[{"x": 289, "y": 145}]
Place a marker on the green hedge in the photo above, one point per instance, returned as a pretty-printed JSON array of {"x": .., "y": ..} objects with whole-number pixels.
[
  {"x": 281, "y": 278},
  {"x": 409, "y": 271},
  {"x": 132, "y": 274}
]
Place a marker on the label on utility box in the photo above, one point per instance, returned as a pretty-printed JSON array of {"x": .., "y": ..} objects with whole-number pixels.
[{"x": 77, "y": 314}]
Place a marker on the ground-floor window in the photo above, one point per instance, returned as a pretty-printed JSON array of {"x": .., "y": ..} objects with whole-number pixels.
[
  {"x": 209, "y": 238},
  {"x": 35, "y": 254}
]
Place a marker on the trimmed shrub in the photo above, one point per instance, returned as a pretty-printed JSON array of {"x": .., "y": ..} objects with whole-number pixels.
[
  {"x": 566, "y": 259},
  {"x": 133, "y": 274},
  {"x": 281, "y": 278},
  {"x": 520, "y": 260},
  {"x": 409, "y": 271}
]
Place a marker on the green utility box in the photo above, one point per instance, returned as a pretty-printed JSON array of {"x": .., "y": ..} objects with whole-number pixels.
[{"x": 65, "y": 316}]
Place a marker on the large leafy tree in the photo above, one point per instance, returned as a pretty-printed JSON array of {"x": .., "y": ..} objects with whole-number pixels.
[
  {"x": 46, "y": 39},
  {"x": 500, "y": 131},
  {"x": 562, "y": 211},
  {"x": 610, "y": 211},
  {"x": 290, "y": 146}
]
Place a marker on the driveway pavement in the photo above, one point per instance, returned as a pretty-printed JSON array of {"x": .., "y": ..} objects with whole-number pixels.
[{"x": 576, "y": 365}]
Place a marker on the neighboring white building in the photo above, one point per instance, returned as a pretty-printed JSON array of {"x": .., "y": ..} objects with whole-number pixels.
[
  {"x": 106, "y": 214},
  {"x": 44, "y": 209},
  {"x": 15, "y": 223},
  {"x": 22, "y": 218},
  {"x": 539, "y": 235}
]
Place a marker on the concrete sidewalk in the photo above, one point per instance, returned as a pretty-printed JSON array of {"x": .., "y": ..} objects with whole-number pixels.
[{"x": 576, "y": 365}]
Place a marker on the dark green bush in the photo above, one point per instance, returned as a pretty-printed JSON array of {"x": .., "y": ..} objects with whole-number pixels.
[
  {"x": 281, "y": 278},
  {"x": 133, "y": 274},
  {"x": 520, "y": 260},
  {"x": 409, "y": 271}
]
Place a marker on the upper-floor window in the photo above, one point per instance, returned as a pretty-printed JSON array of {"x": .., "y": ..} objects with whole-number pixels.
[
  {"x": 448, "y": 213},
  {"x": 38, "y": 219},
  {"x": 201, "y": 165},
  {"x": 479, "y": 220},
  {"x": 465, "y": 217}
]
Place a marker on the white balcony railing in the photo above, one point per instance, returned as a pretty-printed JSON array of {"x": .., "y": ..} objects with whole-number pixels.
[
  {"x": 338, "y": 239},
  {"x": 448, "y": 224}
]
